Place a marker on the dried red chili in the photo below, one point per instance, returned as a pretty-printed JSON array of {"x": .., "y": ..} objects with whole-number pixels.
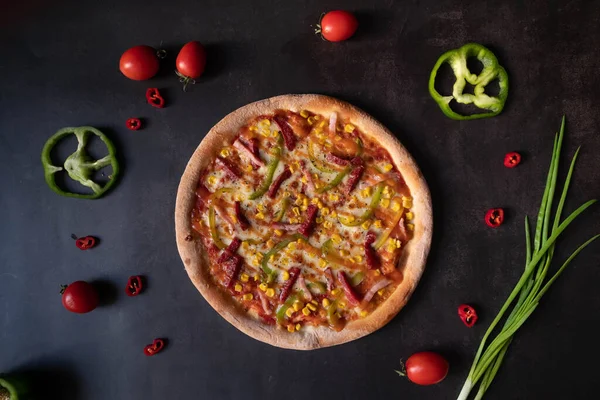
[
  {"x": 512, "y": 159},
  {"x": 84, "y": 243},
  {"x": 156, "y": 347},
  {"x": 467, "y": 314},
  {"x": 133, "y": 124},
  {"x": 134, "y": 286},
  {"x": 154, "y": 98},
  {"x": 494, "y": 217}
]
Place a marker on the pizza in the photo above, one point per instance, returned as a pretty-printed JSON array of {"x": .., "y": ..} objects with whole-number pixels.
[{"x": 303, "y": 221}]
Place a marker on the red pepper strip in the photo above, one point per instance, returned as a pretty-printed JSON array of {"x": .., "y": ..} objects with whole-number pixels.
[
  {"x": 286, "y": 288},
  {"x": 286, "y": 132},
  {"x": 85, "y": 243},
  {"x": 494, "y": 217},
  {"x": 370, "y": 253},
  {"x": 277, "y": 183},
  {"x": 228, "y": 167},
  {"x": 229, "y": 250},
  {"x": 156, "y": 347},
  {"x": 231, "y": 268},
  {"x": 134, "y": 286},
  {"x": 154, "y": 98},
  {"x": 512, "y": 159},
  {"x": 307, "y": 225},
  {"x": 355, "y": 175},
  {"x": 348, "y": 290},
  {"x": 253, "y": 157},
  {"x": 133, "y": 124},
  {"x": 241, "y": 218},
  {"x": 329, "y": 277},
  {"x": 336, "y": 160},
  {"x": 467, "y": 314}
]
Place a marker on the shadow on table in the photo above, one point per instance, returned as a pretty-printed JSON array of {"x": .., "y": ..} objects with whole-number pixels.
[{"x": 49, "y": 379}]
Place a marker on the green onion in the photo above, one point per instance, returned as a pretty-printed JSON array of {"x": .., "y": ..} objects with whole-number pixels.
[{"x": 533, "y": 284}]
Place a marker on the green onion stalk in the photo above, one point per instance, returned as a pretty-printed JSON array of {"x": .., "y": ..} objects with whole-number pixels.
[{"x": 533, "y": 284}]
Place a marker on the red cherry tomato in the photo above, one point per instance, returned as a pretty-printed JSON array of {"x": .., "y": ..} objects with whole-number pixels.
[
  {"x": 338, "y": 25},
  {"x": 80, "y": 297},
  {"x": 426, "y": 368},
  {"x": 190, "y": 62},
  {"x": 139, "y": 63}
]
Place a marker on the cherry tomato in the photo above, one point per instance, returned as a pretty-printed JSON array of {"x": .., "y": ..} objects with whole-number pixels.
[
  {"x": 139, "y": 63},
  {"x": 80, "y": 297},
  {"x": 336, "y": 26},
  {"x": 425, "y": 368},
  {"x": 190, "y": 62}
]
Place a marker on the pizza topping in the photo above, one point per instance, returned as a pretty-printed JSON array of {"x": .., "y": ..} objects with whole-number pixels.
[
  {"x": 348, "y": 290},
  {"x": 494, "y": 217},
  {"x": 286, "y": 132},
  {"x": 280, "y": 179},
  {"x": 264, "y": 302},
  {"x": 329, "y": 277},
  {"x": 287, "y": 285},
  {"x": 230, "y": 250},
  {"x": 271, "y": 167},
  {"x": 252, "y": 155},
  {"x": 336, "y": 160},
  {"x": 308, "y": 224},
  {"x": 302, "y": 286},
  {"x": 370, "y": 253},
  {"x": 354, "y": 175},
  {"x": 228, "y": 167},
  {"x": 379, "y": 285},
  {"x": 352, "y": 221},
  {"x": 241, "y": 218},
  {"x": 332, "y": 123},
  {"x": 278, "y": 247},
  {"x": 213, "y": 229},
  {"x": 286, "y": 227},
  {"x": 231, "y": 267}
]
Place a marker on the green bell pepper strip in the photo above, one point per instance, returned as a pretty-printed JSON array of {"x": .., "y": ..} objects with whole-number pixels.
[
  {"x": 285, "y": 203},
  {"x": 336, "y": 181},
  {"x": 327, "y": 247},
  {"x": 79, "y": 165},
  {"x": 280, "y": 314},
  {"x": 457, "y": 59},
  {"x": 386, "y": 234},
  {"x": 332, "y": 317},
  {"x": 316, "y": 162},
  {"x": 276, "y": 249},
  {"x": 369, "y": 213},
  {"x": 213, "y": 229},
  {"x": 271, "y": 168},
  {"x": 357, "y": 278},
  {"x": 318, "y": 287}
]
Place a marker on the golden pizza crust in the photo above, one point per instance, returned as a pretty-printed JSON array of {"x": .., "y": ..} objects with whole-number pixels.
[{"x": 196, "y": 260}]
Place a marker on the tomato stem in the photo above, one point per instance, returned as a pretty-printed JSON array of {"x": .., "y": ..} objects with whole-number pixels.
[
  {"x": 63, "y": 288},
  {"x": 186, "y": 80}
]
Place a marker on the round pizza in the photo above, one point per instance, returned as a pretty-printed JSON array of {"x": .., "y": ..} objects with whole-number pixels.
[{"x": 303, "y": 221}]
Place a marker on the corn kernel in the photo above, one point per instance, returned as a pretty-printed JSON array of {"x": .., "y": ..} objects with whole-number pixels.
[
  {"x": 358, "y": 259},
  {"x": 311, "y": 307},
  {"x": 224, "y": 153},
  {"x": 245, "y": 245},
  {"x": 410, "y": 227},
  {"x": 391, "y": 247},
  {"x": 303, "y": 207},
  {"x": 260, "y": 207},
  {"x": 344, "y": 253},
  {"x": 366, "y": 224},
  {"x": 298, "y": 305},
  {"x": 326, "y": 303},
  {"x": 325, "y": 210},
  {"x": 336, "y": 291},
  {"x": 291, "y": 328},
  {"x": 306, "y": 311},
  {"x": 366, "y": 192},
  {"x": 349, "y": 128},
  {"x": 270, "y": 243},
  {"x": 377, "y": 223},
  {"x": 385, "y": 203},
  {"x": 265, "y": 122},
  {"x": 336, "y": 238},
  {"x": 298, "y": 201},
  {"x": 296, "y": 211},
  {"x": 260, "y": 215},
  {"x": 263, "y": 287},
  {"x": 386, "y": 189},
  {"x": 322, "y": 263},
  {"x": 387, "y": 167},
  {"x": 311, "y": 120},
  {"x": 303, "y": 179},
  {"x": 233, "y": 218},
  {"x": 377, "y": 272},
  {"x": 271, "y": 257},
  {"x": 270, "y": 292},
  {"x": 396, "y": 206},
  {"x": 289, "y": 312},
  {"x": 248, "y": 296},
  {"x": 260, "y": 256},
  {"x": 319, "y": 220},
  {"x": 364, "y": 313},
  {"x": 256, "y": 278},
  {"x": 285, "y": 276},
  {"x": 331, "y": 197},
  {"x": 298, "y": 326},
  {"x": 350, "y": 218},
  {"x": 255, "y": 262},
  {"x": 409, "y": 215},
  {"x": 398, "y": 243},
  {"x": 406, "y": 202},
  {"x": 285, "y": 261},
  {"x": 318, "y": 185},
  {"x": 333, "y": 214},
  {"x": 244, "y": 277},
  {"x": 212, "y": 180},
  {"x": 305, "y": 202},
  {"x": 304, "y": 113},
  {"x": 342, "y": 304},
  {"x": 300, "y": 240},
  {"x": 248, "y": 168},
  {"x": 327, "y": 224},
  {"x": 278, "y": 232},
  {"x": 292, "y": 246},
  {"x": 238, "y": 287},
  {"x": 380, "y": 292},
  {"x": 253, "y": 128}
]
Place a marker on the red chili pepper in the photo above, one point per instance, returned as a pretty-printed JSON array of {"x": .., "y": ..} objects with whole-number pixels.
[
  {"x": 467, "y": 314},
  {"x": 156, "y": 347},
  {"x": 133, "y": 124},
  {"x": 85, "y": 243},
  {"x": 512, "y": 159},
  {"x": 134, "y": 286},
  {"x": 494, "y": 217},
  {"x": 154, "y": 98}
]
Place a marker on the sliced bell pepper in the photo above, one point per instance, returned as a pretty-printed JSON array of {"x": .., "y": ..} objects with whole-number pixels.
[
  {"x": 271, "y": 168},
  {"x": 367, "y": 214},
  {"x": 276, "y": 249},
  {"x": 280, "y": 314},
  {"x": 492, "y": 70},
  {"x": 386, "y": 234},
  {"x": 316, "y": 162},
  {"x": 318, "y": 287},
  {"x": 336, "y": 181},
  {"x": 213, "y": 229},
  {"x": 285, "y": 203},
  {"x": 79, "y": 165},
  {"x": 332, "y": 317},
  {"x": 357, "y": 278},
  {"x": 14, "y": 387}
]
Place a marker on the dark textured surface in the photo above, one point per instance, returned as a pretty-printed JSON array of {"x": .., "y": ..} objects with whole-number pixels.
[{"x": 58, "y": 67}]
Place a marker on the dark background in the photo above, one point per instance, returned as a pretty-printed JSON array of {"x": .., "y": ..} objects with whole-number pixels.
[{"x": 59, "y": 67}]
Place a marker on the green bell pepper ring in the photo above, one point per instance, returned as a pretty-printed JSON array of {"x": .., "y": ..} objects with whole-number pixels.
[
  {"x": 271, "y": 168},
  {"x": 457, "y": 59},
  {"x": 79, "y": 165},
  {"x": 13, "y": 387},
  {"x": 280, "y": 314},
  {"x": 367, "y": 214}
]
